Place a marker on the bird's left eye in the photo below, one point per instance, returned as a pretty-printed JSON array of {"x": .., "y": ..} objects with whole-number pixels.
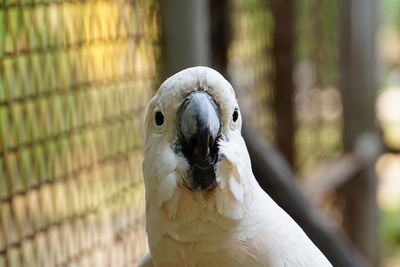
[
  {"x": 159, "y": 118},
  {"x": 235, "y": 115}
]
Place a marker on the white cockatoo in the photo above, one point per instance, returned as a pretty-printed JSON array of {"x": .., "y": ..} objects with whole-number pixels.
[{"x": 204, "y": 206}]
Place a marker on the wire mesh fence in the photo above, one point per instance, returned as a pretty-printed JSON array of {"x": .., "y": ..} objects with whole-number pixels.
[
  {"x": 74, "y": 78},
  {"x": 317, "y": 102},
  {"x": 251, "y": 61}
]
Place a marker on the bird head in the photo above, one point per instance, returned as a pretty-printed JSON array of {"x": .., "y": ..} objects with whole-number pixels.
[{"x": 191, "y": 124}]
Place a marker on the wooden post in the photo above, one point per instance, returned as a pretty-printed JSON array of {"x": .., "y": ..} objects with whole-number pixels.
[
  {"x": 185, "y": 38},
  {"x": 220, "y": 34},
  {"x": 358, "y": 94},
  {"x": 283, "y": 45}
]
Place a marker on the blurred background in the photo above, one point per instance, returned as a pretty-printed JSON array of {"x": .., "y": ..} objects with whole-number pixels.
[{"x": 318, "y": 80}]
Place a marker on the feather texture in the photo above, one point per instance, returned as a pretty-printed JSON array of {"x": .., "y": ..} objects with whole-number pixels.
[{"x": 234, "y": 224}]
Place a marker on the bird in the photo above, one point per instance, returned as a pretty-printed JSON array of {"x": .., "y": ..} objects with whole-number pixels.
[{"x": 204, "y": 206}]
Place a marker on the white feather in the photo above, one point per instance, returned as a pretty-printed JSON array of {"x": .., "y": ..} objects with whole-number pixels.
[
  {"x": 166, "y": 188},
  {"x": 237, "y": 223}
]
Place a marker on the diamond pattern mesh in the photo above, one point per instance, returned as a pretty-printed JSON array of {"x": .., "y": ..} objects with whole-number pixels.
[{"x": 75, "y": 76}]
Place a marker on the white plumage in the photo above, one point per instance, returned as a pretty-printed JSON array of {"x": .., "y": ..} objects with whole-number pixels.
[{"x": 231, "y": 223}]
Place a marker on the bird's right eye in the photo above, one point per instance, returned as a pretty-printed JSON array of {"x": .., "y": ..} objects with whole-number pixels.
[
  {"x": 235, "y": 115},
  {"x": 159, "y": 118}
]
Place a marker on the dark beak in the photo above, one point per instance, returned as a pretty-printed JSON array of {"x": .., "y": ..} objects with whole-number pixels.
[{"x": 199, "y": 126}]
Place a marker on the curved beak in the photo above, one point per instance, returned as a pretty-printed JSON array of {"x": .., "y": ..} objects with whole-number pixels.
[{"x": 199, "y": 126}]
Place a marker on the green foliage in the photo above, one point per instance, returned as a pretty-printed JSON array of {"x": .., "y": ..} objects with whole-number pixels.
[
  {"x": 390, "y": 12},
  {"x": 390, "y": 232}
]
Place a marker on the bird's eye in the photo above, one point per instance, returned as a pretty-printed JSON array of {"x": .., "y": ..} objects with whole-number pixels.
[
  {"x": 159, "y": 118},
  {"x": 235, "y": 115}
]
